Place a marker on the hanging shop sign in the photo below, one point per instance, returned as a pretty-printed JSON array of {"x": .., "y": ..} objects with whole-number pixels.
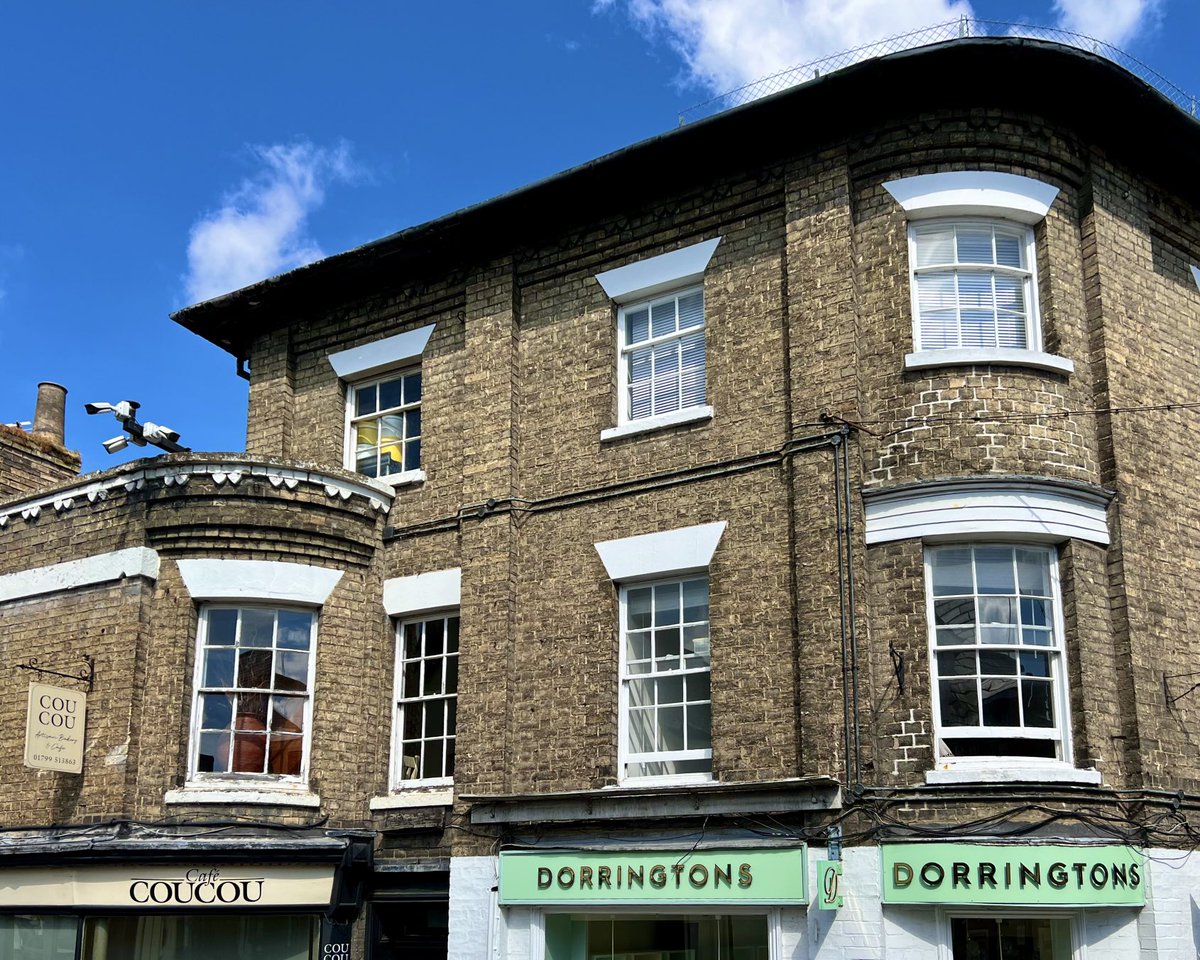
[
  {"x": 54, "y": 728},
  {"x": 1044, "y": 875},
  {"x": 829, "y": 884},
  {"x": 728, "y": 876},
  {"x": 193, "y": 886}
]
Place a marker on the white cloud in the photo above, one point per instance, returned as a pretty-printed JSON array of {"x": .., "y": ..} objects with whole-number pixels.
[
  {"x": 260, "y": 229},
  {"x": 1114, "y": 21},
  {"x": 727, "y": 43}
]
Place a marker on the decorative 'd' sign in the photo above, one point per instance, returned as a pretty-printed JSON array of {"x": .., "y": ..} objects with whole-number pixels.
[{"x": 54, "y": 728}]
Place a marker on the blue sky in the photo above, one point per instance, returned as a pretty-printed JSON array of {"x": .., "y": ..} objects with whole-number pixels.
[{"x": 157, "y": 153}]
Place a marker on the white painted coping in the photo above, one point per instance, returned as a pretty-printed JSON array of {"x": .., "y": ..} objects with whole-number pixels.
[
  {"x": 359, "y": 362},
  {"x": 84, "y": 572},
  {"x": 435, "y": 590},
  {"x": 654, "y": 554},
  {"x": 979, "y": 193},
  {"x": 644, "y": 278},
  {"x": 258, "y": 580},
  {"x": 657, "y": 422},
  {"x": 998, "y": 357},
  {"x": 1025, "y": 509}
]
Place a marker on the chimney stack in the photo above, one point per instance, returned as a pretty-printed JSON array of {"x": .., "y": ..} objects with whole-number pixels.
[{"x": 49, "y": 417}]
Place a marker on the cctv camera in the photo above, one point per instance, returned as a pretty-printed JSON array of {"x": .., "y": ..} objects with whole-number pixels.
[
  {"x": 97, "y": 407},
  {"x": 116, "y": 444},
  {"x": 157, "y": 432}
]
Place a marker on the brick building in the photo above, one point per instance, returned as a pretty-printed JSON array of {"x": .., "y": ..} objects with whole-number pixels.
[{"x": 806, "y": 486}]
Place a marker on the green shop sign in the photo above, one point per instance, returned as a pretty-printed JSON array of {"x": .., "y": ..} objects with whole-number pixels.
[
  {"x": 1057, "y": 875},
  {"x": 730, "y": 876}
]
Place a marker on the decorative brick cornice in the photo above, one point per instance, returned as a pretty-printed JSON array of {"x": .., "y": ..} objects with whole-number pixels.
[{"x": 177, "y": 471}]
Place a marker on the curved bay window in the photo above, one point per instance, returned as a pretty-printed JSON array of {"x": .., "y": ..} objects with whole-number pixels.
[
  {"x": 253, "y": 705},
  {"x": 997, "y": 651}
]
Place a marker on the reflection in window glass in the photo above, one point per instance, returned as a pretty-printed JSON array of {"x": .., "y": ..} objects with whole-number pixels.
[
  {"x": 658, "y": 937},
  {"x": 1007, "y": 938},
  {"x": 263, "y": 937},
  {"x": 996, "y": 652},
  {"x": 37, "y": 937},
  {"x": 253, "y": 700}
]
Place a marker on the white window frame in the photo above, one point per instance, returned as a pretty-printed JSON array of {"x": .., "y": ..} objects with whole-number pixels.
[
  {"x": 624, "y": 755},
  {"x": 624, "y": 349},
  {"x": 945, "y": 915},
  {"x": 1028, "y": 275},
  {"x": 203, "y": 779},
  {"x": 1030, "y": 767},
  {"x": 998, "y": 197},
  {"x": 349, "y": 451},
  {"x": 395, "y": 767}
]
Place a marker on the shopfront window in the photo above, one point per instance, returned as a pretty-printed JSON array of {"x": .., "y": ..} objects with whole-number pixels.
[
  {"x": 655, "y": 937},
  {"x": 37, "y": 937},
  {"x": 1010, "y": 938},
  {"x": 271, "y": 937}
]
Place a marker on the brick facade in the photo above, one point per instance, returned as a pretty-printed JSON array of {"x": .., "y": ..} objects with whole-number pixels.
[{"x": 808, "y": 317}]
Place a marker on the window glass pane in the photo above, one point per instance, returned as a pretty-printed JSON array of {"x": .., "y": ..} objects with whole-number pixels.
[
  {"x": 254, "y": 669},
  {"x": 200, "y": 937},
  {"x": 222, "y": 627},
  {"x": 666, "y": 649},
  {"x": 249, "y": 753},
  {"x": 1010, "y": 249},
  {"x": 251, "y": 711},
  {"x": 1038, "y": 703},
  {"x": 412, "y": 423},
  {"x": 699, "y": 726},
  {"x": 218, "y": 668},
  {"x": 637, "y": 325},
  {"x": 994, "y": 570},
  {"x": 452, "y": 635},
  {"x": 954, "y": 636},
  {"x": 412, "y": 455},
  {"x": 413, "y": 387},
  {"x": 974, "y": 244},
  {"x": 936, "y": 291},
  {"x": 637, "y": 609},
  {"x": 935, "y": 244},
  {"x": 959, "y": 663},
  {"x": 666, "y": 377},
  {"x": 452, "y": 675},
  {"x": 364, "y": 400},
  {"x": 998, "y": 634},
  {"x": 951, "y": 572},
  {"x": 295, "y": 629},
  {"x": 953, "y": 612},
  {"x": 412, "y": 640},
  {"x": 433, "y": 676},
  {"x": 637, "y": 647},
  {"x": 1037, "y": 637},
  {"x": 1002, "y": 662},
  {"x": 1035, "y": 664},
  {"x": 670, "y": 729},
  {"x": 939, "y": 329},
  {"x": 435, "y": 718},
  {"x": 216, "y": 712},
  {"x": 959, "y": 703},
  {"x": 670, "y": 689},
  {"x": 1033, "y": 571},
  {"x": 286, "y": 754},
  {"x": 699, "y": 687},
  {"x": 641, "y": 731},
  {"x": 995, "y": 610},
  {"x": 666, "y": 604},
  {"x": 214, "y": 753},
  {"x": 691, "y": 310},
  {"x": 287, "y": 714},
  {"x": 662, "y": 318},
  {"x": 1000, "y": 703},
  {"x": 390, "y": 394},
  {"x": 692, "y": 384},
  {"x": 1035, "y": 613},
  {"x": 258, "y": 628},
  {"x": 695, "y": 601}
]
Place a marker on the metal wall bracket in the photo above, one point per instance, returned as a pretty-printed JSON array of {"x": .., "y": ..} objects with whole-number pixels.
[{"x": 86, "y": 674}]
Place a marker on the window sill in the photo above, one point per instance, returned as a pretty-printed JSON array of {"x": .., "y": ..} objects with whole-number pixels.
[
  {"x": 1033, "y": 359},
  {"x": 1012, "y": 772},
  {"x": 212, "y": 794},
  {"x": 679, "y": 780},
  {"x": 416, "y": 797},
  {"x": 647, "y": 424},
  {"x": 401, "y": 479}
]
